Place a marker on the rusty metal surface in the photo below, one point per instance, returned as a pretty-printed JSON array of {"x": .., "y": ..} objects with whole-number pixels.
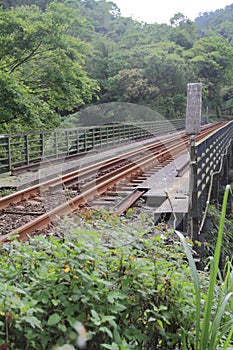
[
  {"x": 128, "y": 202},
  {"x": 73, "y": 176},
  {"x": 98, "y": 186}
]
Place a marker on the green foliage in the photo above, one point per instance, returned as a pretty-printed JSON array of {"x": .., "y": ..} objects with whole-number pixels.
[
  {"x": 127, "y": 288},
  {"x": 6, "y": 192},
  {"x": 131, "y": 86},
  {"x": 16, "y": 3},
  {"x": 13, "y": 99},
  {"x": 212, "y": 234},
  {"x": 58, "y": 56},
  {"x": 41, "y": 65},
  {"x": 185, "y": 32},
  {"x": 211, "y": 59},
  {"x": 120, "y": 280},
  {"x": 227, "y": 99},
  {"x": 215, "y": 328},
  {"x": 218, "y": 22}
]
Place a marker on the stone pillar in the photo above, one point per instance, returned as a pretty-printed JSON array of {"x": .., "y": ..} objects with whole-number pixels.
[
  {"x": 193, "y": 109},
  {"x": 193, "y": 127}
]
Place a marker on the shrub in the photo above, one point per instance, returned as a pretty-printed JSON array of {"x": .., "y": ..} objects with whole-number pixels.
[{"x": 128, "y": 288}]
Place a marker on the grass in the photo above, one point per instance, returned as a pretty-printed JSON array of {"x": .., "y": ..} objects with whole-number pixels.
[{"x": 213, "y": 328}]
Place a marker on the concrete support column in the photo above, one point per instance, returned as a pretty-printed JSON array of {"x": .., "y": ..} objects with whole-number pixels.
[
  {"x": 193, "y": 211},
  {"x": 193, "y": 127}
]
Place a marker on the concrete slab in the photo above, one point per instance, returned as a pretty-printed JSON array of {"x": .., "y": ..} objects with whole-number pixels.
[
  {"x": 167, "y": 192},
  {"x": 176, "y": 205}
]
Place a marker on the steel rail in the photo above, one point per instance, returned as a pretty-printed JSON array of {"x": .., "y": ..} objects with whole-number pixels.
[
  {"x": 84, "y": 173},
  {"x": 80, "y": 174},
  {"x": 101, "y": 186},
  {"x": 73, "y": 204}
]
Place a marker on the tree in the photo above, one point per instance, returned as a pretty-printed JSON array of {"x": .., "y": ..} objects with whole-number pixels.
[
  {"x": 44, "y": 61},
  {"x": 100, "y": 14},
  {"x": 166, "y": 69},
  {"x": 219, "y": 22},
  {"x": 212, "y": 63},
  {"x": 129, "y": 85},
  {"x": 7, "y": 4},
  {"x": 178, "y": 20},
  {"x": 13, "y": 102},
  {"x": 184, "y": 31},
  {"x": 227, "y": 100}
]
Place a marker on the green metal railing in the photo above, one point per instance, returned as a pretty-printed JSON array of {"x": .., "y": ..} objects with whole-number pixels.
[{"x": 17, "y": 150}]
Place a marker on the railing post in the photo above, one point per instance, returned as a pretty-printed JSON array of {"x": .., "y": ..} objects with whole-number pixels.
[
  {"x": 77, "y": 141},
  {"x": 101, "y": 141},
  {"x": 41, "y": 145},
  {"x": 107, "y": 134},
  {"x": 93, "y": 138},
  {"x": 8, "y": 152},
  {"x": 85, "y": 140},
  {"x": 67, "y": 142},
  {"x": 26, "y": 146},
  {"x": 55, "y": 145}
]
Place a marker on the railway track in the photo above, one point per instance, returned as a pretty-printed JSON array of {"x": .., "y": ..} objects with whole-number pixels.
[{"x": 112, "y": 183}]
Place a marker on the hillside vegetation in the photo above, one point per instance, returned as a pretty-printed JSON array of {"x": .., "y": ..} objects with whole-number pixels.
[{"x": 62, "y": 56}]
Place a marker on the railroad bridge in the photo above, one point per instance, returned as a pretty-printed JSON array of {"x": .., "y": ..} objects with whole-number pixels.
[{"x": 31, "y": 158}]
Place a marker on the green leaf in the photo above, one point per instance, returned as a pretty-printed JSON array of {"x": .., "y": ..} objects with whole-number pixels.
[
  {"x": 196, "y": 284},
  {"x": 54, "y": 319},
  {"x": 55, "y": 302},
  {"x": 113, "y": 346},
  {"x": 117, "y": 336},
  {"x": 106, "y": 330},
  {"x": 114, "y": 296},
  {"x": 62, "y": 327},
  {"x": 33, "y": 321},
  {"x": 95, "y": 315}
]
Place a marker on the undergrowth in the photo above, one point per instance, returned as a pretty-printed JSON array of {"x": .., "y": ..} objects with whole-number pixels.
[
  {"x": 126, "y": 287},
  {"x": 211, "y": 234},
  {"x": 125, "y": 283}
]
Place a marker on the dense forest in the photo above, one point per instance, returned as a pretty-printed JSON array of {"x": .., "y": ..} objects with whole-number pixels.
[{"x": 59, "y": 57}]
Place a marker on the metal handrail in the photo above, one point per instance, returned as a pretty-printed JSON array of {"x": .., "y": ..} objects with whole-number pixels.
[{"x": 23, "y": 149}]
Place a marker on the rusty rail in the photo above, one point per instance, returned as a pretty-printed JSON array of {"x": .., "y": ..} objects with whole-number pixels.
[
  {"x": 84, "y": 173},
  {"x": 99, "y": 186}
]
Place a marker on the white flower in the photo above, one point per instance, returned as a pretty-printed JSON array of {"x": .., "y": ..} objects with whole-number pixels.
[
  {"x": 82, "y": 334},
  {"x": 66, "y": 347}
]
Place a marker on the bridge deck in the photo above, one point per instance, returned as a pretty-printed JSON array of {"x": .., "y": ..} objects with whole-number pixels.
[
  {"x": 166, "y": 190},
  {"x": 47, "y": 170}
]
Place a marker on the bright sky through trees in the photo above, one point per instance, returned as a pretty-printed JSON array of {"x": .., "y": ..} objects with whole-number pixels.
[{"x": 161, "y": 11}]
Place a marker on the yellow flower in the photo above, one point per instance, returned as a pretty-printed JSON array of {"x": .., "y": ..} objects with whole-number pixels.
[
  {"x": 132, "y": 258},
  {"x": 66, "y": 268}
]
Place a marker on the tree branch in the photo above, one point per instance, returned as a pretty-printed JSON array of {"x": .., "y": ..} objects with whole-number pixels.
[
  {"x": 26, "y": 58},
  {"x": 7, "y": 120}
]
